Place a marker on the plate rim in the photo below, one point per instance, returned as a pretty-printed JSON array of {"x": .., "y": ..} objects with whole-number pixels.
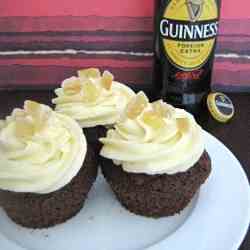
[{"x": 164, "y": 244}]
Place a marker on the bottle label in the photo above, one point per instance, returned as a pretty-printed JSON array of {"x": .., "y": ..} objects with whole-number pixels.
[{"x": 188, "y": 30}]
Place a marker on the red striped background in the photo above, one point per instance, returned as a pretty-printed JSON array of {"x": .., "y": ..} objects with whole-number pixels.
[{"x": 111, "y": 25}]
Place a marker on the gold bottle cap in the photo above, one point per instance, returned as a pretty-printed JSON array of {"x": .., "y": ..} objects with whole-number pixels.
[{"x": 220, "y": 107}]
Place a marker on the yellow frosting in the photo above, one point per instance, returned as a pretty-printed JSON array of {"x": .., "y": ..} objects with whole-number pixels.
[
  {"x": 154, "y": 138},
  {"x": 40, "y": 150},
  {"x": 92, "y": 99}
]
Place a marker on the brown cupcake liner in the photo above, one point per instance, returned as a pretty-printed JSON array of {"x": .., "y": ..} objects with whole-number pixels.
[
  {"x": 156, "y": 195},
  {"x": 46, "y": 210}
]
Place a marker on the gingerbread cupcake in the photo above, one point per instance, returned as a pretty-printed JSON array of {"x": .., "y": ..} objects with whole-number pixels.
[
  {"x": 154, "y": 158},
  {"x": 46, "y": 170},
  {"x": 94, "y": 100}
]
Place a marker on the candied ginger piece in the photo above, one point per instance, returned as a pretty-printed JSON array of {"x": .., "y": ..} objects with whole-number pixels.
[
  {"x": 107, "y": 79},
  {"x": 32, "y": 108},
  {"x": 72, "y": 87},
  {"x": 31, "y": 119},
  {"x": 152, "y": 119},
  {"x": 18, "y": 113},
  {"x": 136, "y": 105},
  {"x": 39, "y": 115},
  {"x": 163, "y": 109},
  {"x": 90, "y": 91},
  {"x": 89, "y": 73},
  {"x": 24, "y": 127}
]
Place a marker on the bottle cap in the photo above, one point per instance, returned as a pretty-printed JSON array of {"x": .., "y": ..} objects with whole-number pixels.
[{"x": 220, "y": 107}]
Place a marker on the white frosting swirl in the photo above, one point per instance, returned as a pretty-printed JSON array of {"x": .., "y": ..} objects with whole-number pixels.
[
  {"x": 40, "y": 150},
  {"x": 103, "y": 108},
  {"x": 155, "y": 142}
]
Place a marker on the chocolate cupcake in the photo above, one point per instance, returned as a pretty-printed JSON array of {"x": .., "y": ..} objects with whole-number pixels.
[
  {"x": 46, "y": 169},
  {"x": 154, "y": 158},
  {"x": 95, "y": 101}
]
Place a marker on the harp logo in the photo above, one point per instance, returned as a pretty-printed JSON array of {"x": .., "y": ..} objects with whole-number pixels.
[
  {"x": 194, "y": 9},
  {"x": 188, "y": 31}
]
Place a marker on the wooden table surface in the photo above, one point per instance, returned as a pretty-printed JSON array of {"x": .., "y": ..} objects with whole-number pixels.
[{"x": 235, "y": 135}]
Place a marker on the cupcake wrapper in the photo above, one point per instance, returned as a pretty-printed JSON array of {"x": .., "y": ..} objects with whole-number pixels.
[
  {"x": 45, "y": 210},
  {"x": 156, "y": 195}
]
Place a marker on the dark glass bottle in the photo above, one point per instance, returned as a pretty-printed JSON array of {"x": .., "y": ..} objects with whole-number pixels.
[{"x": 185, "y": 40}]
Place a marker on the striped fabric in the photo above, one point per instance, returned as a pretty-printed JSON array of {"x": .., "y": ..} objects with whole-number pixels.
[{"x": 43, "y": 42}]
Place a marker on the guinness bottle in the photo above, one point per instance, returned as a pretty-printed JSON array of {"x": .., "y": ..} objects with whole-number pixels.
[{"x": 186, "y": 32}]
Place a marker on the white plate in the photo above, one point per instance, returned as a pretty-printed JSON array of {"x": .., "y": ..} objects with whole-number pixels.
[{"x": 217, "y": 218}]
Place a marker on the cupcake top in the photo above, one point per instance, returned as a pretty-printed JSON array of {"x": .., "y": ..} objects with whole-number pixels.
[
  {"x": 154, "y": 138},
  {"x": 40, "y": 150},
  {"x": 92, "y": 99}
]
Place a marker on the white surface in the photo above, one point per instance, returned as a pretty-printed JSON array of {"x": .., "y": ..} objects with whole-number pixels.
[{"x": 217, "y": 219}]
